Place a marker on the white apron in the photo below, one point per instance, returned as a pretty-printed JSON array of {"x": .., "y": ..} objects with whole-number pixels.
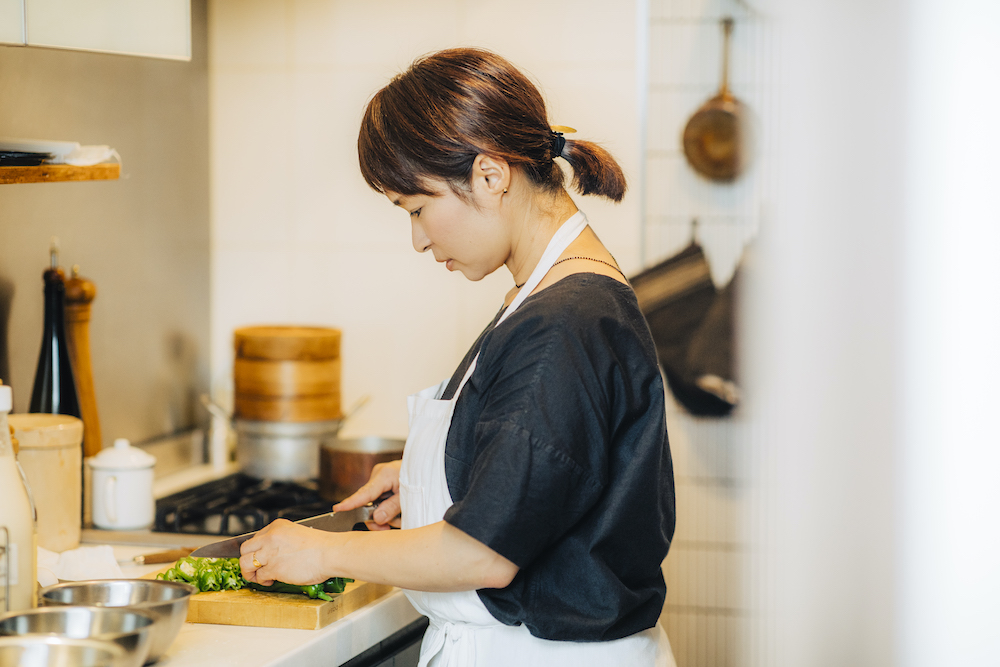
[{"x": 462, "y": 632}]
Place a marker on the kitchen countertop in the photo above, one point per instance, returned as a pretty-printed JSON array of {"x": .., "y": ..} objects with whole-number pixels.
[{"x": 207, "y": 645}]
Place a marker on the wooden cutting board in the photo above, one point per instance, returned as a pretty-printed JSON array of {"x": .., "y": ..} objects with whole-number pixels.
[{"x": 279, "y": 610}]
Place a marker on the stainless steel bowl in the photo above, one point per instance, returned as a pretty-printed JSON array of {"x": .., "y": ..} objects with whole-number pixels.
[
  {"x": 165, "y": 601},
  {"x": 50, "y": 651},
  {"x": 128, "y": 628}
]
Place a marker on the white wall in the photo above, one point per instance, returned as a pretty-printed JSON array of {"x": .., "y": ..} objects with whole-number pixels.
[
  {"x": 874, "y": 341},
  {"x": 297, "y": 236}
]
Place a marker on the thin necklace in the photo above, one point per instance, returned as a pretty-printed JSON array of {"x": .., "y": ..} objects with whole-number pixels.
[{"x": 593, "y": 259}]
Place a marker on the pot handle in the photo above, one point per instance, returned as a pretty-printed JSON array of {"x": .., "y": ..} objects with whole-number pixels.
[
  {"x": 727, "y": 31},
  {"x": 214, "y": 408}
]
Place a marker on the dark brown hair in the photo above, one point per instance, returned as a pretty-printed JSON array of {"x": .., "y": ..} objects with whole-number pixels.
[{"x": 431, "y": 121}]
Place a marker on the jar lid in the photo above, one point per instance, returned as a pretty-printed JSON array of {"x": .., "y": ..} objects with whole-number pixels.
[
  {"x": 41, "y": 431},
  {"x": 123, "y": 456}
]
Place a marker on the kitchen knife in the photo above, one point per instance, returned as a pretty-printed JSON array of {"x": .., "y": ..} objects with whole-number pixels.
[{"x": 333, "y": 522}]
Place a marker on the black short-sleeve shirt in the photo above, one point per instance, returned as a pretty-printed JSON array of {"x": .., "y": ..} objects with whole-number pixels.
[{"x": 557, "y": 458}]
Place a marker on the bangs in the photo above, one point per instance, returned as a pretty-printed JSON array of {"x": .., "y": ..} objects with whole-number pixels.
[{"x": 385, "y": 165}]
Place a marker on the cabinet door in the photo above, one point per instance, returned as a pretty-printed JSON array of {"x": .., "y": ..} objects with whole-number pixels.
[
  {"x": 155, "y": 28},
  {"x": 12, "y": 22}
]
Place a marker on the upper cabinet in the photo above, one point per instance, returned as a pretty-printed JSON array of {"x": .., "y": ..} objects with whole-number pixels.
[
  {"x": 153, "y": 28},
  {"x": 12, "y": 22}
]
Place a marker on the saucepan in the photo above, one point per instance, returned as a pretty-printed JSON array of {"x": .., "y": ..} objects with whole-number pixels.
[
  {"x": 346, "y": 464},
  {"x": 717, "y": 137}
]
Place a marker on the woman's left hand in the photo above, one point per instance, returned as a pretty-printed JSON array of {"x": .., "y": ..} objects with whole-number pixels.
[{"x": 285, "y": 551}]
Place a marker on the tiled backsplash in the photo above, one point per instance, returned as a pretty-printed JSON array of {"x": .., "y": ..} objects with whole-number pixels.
[{"x": 706, "y": 612}]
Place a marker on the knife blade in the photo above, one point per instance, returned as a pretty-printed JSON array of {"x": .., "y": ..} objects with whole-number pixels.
[{"x": 332, "y": 522}]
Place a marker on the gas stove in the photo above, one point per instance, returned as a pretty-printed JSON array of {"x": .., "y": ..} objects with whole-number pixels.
[{"x": 237, "y": 504}]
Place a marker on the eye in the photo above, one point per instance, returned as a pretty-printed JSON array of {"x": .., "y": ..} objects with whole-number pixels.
[{"x": 416, "y": 213}]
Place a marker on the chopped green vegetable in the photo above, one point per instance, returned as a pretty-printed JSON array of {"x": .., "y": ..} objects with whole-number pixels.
[{"x": 223, "y": 574}]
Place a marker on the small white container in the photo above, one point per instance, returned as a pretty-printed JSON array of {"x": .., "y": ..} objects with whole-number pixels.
[{"x": 123, "y": 487}]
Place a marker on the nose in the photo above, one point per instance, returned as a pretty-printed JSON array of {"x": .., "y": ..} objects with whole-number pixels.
[{"x": 420, "y": 241}]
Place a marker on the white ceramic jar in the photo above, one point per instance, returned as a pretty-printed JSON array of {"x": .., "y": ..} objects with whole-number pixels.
[{"x": 123, "y": 487}]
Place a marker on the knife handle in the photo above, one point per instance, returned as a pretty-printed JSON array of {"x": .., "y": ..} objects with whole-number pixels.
[{"x": 163, "y": 556}]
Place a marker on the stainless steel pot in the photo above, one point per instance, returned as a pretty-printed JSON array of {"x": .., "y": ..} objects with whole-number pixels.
[
  {"x": 282, "y": 451},
  {"x": 346, "y": 464}
]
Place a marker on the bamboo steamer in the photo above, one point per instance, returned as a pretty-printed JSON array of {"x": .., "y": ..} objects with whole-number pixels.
[
  {"x": 281, "y": 343},
  {"x": 286, "y": 374}
]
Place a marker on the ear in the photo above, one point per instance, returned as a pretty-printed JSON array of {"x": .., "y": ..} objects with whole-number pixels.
[{"x": 490, "y": 175}]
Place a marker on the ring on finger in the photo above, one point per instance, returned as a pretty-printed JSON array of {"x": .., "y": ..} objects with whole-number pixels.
[{"x": 256, "y": 563}]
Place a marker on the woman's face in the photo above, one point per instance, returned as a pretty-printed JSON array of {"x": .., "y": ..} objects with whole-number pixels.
[{"x": 460, "y": 234}]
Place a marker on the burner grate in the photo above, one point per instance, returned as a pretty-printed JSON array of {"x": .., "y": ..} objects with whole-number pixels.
[{"x": 237, "y": 504}]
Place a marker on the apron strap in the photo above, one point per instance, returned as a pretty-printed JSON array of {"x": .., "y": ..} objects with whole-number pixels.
[{"x": 564, "y": 236}]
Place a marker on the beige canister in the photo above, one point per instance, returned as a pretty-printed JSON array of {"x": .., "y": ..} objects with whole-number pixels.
[{"x": 52, "y": 459}]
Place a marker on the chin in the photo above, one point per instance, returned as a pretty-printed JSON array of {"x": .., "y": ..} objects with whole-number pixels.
[{"x": 474, "y": 277}]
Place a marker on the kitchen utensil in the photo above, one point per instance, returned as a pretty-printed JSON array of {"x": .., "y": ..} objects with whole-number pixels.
[
  {"x": 716, "y": 138},
  {"x": 333, "y": 522},
  {"x": 325, "y": 407},
  {"x": 282, "y": 450},
  {"x": 287, "y": 374},
  {"x": 162, "y": 556},
  {"x": 128, "y": 629},
  {"x": 345, "y": 465},
  {"x": 281, "y": 610},
  {"x": 51, "y": 651},
  {"x": 123, "y": 487},
  {"x": 51, "y": 459},
  {"x": 80, "y": 293},
  {"x": 287, "y": 342},
  {"x": 166, "y": 602}
]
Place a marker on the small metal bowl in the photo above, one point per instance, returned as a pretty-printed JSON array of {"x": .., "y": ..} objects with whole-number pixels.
[
  {"x": 50, "y": 651},
  {"x": 128, "y": 628},
  {"x": 165, "y": 601}
]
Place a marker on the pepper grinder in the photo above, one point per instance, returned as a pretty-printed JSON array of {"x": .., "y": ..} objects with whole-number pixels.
[{"x": 80, "y": 293}]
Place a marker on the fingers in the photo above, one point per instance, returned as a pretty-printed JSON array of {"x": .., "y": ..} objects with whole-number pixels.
[
  {"x": 253, "y": 567},
  {"x": 387, "y": 510},
  {"x": 252, "y": 558},
  {"x": 384, "y": 477}
]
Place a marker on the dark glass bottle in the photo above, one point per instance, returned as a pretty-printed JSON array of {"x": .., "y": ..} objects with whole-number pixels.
[{"x": 55, "y": 388}]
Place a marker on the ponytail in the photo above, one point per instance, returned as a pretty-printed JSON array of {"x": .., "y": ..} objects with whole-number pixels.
[
  {"x": 595, "y": 172},
  {"x": 431, "y": 121}
]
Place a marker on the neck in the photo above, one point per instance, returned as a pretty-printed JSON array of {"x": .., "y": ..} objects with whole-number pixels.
[{"x": 535, "y": 218}]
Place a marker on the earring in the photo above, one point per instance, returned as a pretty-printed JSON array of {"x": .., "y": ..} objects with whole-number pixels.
[{"x": 505, "y": 190}]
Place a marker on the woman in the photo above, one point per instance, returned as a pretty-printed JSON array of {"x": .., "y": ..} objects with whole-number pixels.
[{"x": 536, "y": 488}]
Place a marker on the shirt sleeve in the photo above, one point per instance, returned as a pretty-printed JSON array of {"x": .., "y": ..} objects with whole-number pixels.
[{"x": 541, "y": 442}]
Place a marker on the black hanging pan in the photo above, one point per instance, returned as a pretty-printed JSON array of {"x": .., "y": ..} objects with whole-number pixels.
[{"x": 716, "y": 138}]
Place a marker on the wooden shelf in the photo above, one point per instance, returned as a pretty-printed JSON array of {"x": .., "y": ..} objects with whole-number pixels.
[{"x": 52, "y": 173}]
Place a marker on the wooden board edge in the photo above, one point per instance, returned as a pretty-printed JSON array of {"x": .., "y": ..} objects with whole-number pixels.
[{"x": 53, "y": 173}]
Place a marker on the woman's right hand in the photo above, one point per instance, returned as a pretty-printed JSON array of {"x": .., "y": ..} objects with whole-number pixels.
[{"x": 384, "y": 478}]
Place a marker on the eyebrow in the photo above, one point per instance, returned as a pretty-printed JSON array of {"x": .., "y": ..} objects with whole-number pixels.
[{"x": 396, "y": 203}]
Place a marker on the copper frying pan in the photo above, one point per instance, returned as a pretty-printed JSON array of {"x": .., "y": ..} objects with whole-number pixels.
[{"x": 716, "y": 137}]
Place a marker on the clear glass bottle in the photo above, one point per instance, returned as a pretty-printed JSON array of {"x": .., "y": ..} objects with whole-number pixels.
[
  {"x": 18, "y": 554},
  {"x": 54, "y": 390}
]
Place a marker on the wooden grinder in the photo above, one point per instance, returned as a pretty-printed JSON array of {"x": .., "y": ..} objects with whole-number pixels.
[{"x": 80, "y": 293}]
